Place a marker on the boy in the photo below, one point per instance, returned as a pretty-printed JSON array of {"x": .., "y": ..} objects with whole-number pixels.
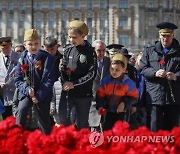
[
  {"x": 34, "y": 79},
  {"x": 79, "y": 66},
  {"x": 116, "y": 93}
]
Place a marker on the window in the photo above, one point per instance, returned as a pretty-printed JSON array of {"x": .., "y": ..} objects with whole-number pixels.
[
  {"x": 21, "y": 23},
  {"x": 51, "y": 23},
  {"x": 102, "y": 23},
  {"x": 102, "y": 38},
  {"x": 89, "y": 22},
  {"x": 102, "y": 4},
  {"x": 123, "y": 4},
  {"x": 39, "y": 6},
  {"x": 38, "y": 23},
  {"x": 124, "y": 40},
  {"x": 89, "y": 5},
  {"x": 64, "y": 5},
  {"x": 10, "y": 6},
  {"x": 76, "y": 5},
  {"x": 51, "y": 5},
  {"x": 123, "y": 21},
  {"x": 63, "y": 23},
  {"x": 9, "y": 23},
  {"x": 21, "y": 6}
]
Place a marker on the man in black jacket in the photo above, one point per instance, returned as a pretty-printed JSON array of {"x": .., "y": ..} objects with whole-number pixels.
[
  {"x": 160, "y": 65},
  {"x": 78, "y": 70}
]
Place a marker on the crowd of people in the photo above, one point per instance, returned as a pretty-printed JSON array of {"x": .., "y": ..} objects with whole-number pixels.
[{"x": 90, "y": 86}]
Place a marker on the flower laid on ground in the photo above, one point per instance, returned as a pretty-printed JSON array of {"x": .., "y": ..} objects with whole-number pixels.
[{"x": 14, "y": 139}]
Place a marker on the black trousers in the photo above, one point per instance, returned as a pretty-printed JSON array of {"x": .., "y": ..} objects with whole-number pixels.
[
  {"x": 8, "y": 111},
  {"x": 42, "y": 111},
  {"x": 111, "y": 118},
  {"x": 82, "y": 107},
  {"x": 163, "y": 117}
]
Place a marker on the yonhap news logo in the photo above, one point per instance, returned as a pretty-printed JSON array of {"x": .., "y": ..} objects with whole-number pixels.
[{"x": 97, "y": 138}]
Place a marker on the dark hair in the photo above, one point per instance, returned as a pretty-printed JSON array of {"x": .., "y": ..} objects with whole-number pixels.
[
  {"x": 50, "y": 41},
  {"x": 114, "y": 62}
]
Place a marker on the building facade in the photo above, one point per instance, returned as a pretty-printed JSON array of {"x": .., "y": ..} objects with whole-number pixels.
[{"x": 128, "y": 22}]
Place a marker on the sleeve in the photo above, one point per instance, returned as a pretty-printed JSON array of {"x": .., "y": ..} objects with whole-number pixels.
[
  {"x": 146, "y": 70},
  {"x": 100, "y": 96},
  {"x": 47, "y": 81},
  {"x": 92, "y": 70},
  {"x": 131, "y": 95}
]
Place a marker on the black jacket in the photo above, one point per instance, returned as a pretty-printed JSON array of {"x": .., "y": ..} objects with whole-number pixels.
[
  {"x": 160, "y": 90},
  {"x": 82, "y": 61}
]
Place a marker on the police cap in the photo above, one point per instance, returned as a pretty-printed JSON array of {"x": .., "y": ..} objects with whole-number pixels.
[
  {"x": 114, "y": 48},
  {"x": 125, "y": 52},
  {"x": 166, "y": 28},
  {"x": 5, "y": 41}
]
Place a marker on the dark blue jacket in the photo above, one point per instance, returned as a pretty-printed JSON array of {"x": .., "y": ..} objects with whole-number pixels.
[
  {"x": 160, "y": 90},
  {"x": 39, "y": 75}
]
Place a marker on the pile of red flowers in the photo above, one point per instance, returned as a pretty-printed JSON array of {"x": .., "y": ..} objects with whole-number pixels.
[{"x": 13, "y": 139}]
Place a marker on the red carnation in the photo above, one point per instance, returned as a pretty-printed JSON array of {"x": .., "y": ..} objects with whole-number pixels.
[
  {"x": 162, "y": 62},
  {"x": 69, "y": 70},
  {"x": 102, "y": 111},
  {"x": 24, "y": 68}
]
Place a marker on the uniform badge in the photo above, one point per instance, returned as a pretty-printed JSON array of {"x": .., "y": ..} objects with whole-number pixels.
[{"x": 82, "y": 58}]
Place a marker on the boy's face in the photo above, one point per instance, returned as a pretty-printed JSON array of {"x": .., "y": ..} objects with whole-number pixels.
[
  {"x": 75, "y": 38},
  {"x": 51, "y": 50},
  {"x": 116, "y": 70},
  {"x": 32, "y": 46}
]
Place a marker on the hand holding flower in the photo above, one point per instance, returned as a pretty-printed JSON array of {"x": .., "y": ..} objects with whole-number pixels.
[
  {"x": 67, "y": 86},
  {"x": 35, "y": 101},
  {"x": 171, "y": 76},
  {"x": 161, "y": 73},
  {"x": 31, "y": 92}
]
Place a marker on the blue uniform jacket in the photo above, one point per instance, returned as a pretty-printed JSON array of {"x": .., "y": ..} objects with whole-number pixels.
[{"x": 40, "y": 75}]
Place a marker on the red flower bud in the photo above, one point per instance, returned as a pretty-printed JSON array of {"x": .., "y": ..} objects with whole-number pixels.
[
  {"x": 69, "y": 70},
  {"x": 102, "y": 111},
  {"x": 24, "y": 67},
  {"x": 162, "y": 62}
]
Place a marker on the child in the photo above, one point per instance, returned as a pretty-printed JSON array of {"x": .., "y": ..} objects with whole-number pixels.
[
  {"x": 116, "y": 93},
  {"x": 79, "y": 66},
  {"x": 34, "y": 79}
]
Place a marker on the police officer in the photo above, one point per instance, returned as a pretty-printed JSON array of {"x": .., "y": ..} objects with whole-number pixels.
[
  {"x": 8, "y": 62},
  {"x": 160, "y": 65}
]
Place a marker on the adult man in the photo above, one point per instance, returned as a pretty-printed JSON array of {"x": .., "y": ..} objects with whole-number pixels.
[
  {"x": 102, "y": 71},
  {"x": 51, "y": 45},
  {"x": 8, "y": 61},
  {"x": 114, "y": 49},
  {"x": 160, "y": 65},
  {"x": 19, "y": 48}
]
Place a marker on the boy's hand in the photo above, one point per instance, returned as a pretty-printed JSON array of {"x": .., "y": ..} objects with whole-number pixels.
[
  {"x": 31, "y": 92},
  {"x": 35, "y": 101},
  {"x": 67, "y": 86},
  {"x": 120, "y": 107}
]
